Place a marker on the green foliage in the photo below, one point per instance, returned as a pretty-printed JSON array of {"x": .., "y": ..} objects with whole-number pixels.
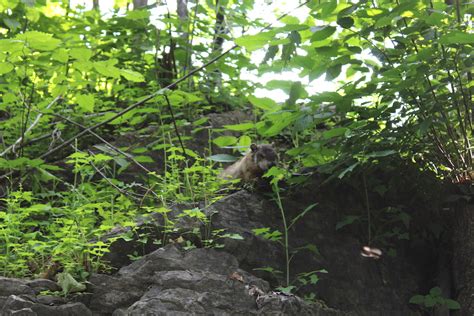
[
  {"x": 403, "y": 91},
  {"x": 434, "y": 299}
]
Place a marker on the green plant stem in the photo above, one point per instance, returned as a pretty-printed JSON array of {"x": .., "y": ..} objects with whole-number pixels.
[{"x": 276, "y": 189}]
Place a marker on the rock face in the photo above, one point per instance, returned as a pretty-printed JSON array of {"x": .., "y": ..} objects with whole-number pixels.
[
  {"x": 171, "y": 281},
  {"x": 353, "y": 283}
]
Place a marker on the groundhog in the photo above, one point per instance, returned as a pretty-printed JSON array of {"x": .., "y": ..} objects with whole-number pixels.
[{"x": 253, "y": 165}]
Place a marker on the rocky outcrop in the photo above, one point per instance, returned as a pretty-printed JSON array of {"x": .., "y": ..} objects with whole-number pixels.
[{"x": 171, "y": 281}]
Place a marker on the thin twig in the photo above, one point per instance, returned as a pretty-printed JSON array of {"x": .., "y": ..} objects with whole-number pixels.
[
  {"x": 38, "y": 117},
  {"x": 120, "y": 190},
  {"x": 175, "y": 126},
  {"x": 114, "y": 148}
]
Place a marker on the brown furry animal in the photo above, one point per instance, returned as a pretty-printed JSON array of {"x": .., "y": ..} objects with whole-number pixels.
[{"x": 253, "y": 165}]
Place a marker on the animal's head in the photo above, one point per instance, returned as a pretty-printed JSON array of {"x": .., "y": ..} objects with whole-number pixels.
[{"x": 264, "y": 156}]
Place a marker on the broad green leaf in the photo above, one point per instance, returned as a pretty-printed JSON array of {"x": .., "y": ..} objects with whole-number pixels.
[
  {"x": 346, "y": 22},
  {"x": 81, "y": 53},
  {"x": 297, "y": 91},
  {"x": 39, "y": 40},
  {"x": 86, "y": 102},
  {"x": 417, "y": 299},
  {"x": 68, "y": 284},
  {"x": 5, "y": 68},
  {"x": 244, "y": 141},
  {"x": 457, "y": 37},
  {"x": 322, "y": 32},
  {"x": 132, "y": 75},
  {"x": 284, "y": 85},
  {"x": 429, "y": 301},
  {"x": 279, "y": 122},
  {"x": 11, "y": 45},
  {"x": 253, "y": 42},
  {"x": 223, "y": 141},
  {"x": 107, "y": 68},
  {"x": 452, "y": 304},
  {"x": 436, "y": 291},
  {"x": 265, "y": 104},
  {"x": 334, "y": 132},
  {"x": 333, "y": 72},
  {"x": 60, "y": 55},
  {"x": 83, "y": 65}
]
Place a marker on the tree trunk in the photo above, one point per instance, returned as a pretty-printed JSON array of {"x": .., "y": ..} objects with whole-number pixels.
[
  {"x": 463, "y": 257},
  {"x": 219, "y": 30},
  {"x": 137, "y": 4}
]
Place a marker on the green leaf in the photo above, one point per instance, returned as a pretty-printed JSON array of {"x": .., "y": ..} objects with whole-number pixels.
[
  {"x": 322, "y": 32},
  {"x": 86, "y": 102},
  {"x": 222, "y": 158},
  {"x": 346, "y": 22},
  {"x": 452, "y": 304},
  {"x": 333, "y": 72},
  {"x": 347, "y": 220},
  {"x": 5, "y": 68},
  {"x": 240, "y": 127},
  {"x": 429, "y": 301},
  {"x": 144, "y": 159},
  {"x": 81, "y": 53},
  {"x": 253, "y": 42},
  {"x": 436, "y": 291},
  {"x": 39, "y": 40},
  {"x": 297, "y": 91},
  {"x": 69, "y": 284},
  {"x": 60, "y": 55},
  {"x": 265, "y": 104},
  {"x": 417, "y": 299},
  {"x": 223, "y": 141},
  {"x": 132, "y": 75},
  {"x": 334, "y": 132},
  {"x": 347, "y": 170},
  {"x": 303, "y": 213},
  {"x": 107, "y": 68},
  {"x": 457, "y": 37},
  {"x": 244, "y": 141}
]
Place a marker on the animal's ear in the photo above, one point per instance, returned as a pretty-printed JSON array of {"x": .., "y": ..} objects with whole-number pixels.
[{"x": 253, "y": 147}]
